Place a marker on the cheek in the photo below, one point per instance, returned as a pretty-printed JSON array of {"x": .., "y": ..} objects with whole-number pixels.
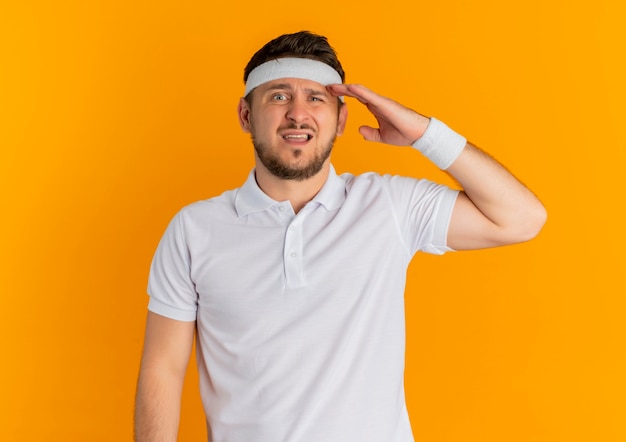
[
  {"x": 265, "y": 119},
  {"x": 325, "y": 117},
  {"x": 330, "y": 125},
  {"x": 260, "y": 129}
]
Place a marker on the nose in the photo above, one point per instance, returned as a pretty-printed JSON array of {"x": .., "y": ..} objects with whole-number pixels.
[{"x": 297, "y": 110}]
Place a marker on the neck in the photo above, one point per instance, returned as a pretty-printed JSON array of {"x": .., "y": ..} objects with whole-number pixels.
[{"x": 297, "y": 192}]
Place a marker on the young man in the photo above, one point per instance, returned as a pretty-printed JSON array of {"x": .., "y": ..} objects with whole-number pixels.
[{"x": 295, "y": 281}]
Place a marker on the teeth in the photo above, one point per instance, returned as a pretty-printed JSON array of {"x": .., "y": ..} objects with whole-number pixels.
[{"x": 297, "y": 137}]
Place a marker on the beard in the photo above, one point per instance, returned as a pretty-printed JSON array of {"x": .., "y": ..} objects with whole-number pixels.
[{"x": 280, "y": 169}]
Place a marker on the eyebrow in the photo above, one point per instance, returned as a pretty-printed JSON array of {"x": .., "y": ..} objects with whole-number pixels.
[{"x": 317, "y": 91}]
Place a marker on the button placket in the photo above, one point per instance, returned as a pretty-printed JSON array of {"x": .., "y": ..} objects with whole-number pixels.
[{"x": 292, "y": 257}]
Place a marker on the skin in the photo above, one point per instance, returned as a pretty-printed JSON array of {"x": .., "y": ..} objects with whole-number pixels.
[
  {"x": 166, "y": 352},
  {"x": 493, "y": 209},
  {"x": 305, "y": 102},
  {"x": 280, "y": 111}
]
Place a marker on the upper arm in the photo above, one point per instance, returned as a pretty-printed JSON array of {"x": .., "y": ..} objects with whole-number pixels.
[
  {"x": 167, "y": 344},
  {"x": 470, "y": 229}
]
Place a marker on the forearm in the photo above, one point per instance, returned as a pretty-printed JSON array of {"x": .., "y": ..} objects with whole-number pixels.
[
  {"x": 167, "y": 347},
  {"x": 157, "y": 407},
  {"x": 495, "y": 208},
  {"x": 514, "y": 211}
]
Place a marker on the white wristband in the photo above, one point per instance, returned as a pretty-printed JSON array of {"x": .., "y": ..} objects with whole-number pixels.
[{"x": 440, "y": 144}]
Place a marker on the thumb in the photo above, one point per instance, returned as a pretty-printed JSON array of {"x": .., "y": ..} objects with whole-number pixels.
[{"x": 370, "y": 133}]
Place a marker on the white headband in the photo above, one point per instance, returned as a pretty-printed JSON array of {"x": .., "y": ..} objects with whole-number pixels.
[{"x": 304, "y": 68}]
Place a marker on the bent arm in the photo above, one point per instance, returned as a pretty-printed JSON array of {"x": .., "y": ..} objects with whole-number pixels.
[
  {"x": 495, "y": 208},
  {"x": 166, "y": 352}
]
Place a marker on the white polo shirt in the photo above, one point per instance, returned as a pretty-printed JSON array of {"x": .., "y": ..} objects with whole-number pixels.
[{"x": 300, "y": 318}]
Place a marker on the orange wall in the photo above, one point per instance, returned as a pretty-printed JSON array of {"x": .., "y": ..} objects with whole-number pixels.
[{"x": 114, "y": 114}]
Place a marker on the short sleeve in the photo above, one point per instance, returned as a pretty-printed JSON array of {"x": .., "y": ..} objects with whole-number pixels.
[
  {"x": 423, "y": 210},
  {"x": 171, "y": 289}
]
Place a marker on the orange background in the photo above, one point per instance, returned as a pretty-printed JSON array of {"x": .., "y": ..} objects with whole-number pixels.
[{"x": 115, "y": 114}]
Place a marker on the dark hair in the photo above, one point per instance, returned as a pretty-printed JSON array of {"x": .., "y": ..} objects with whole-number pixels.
[{"x": 303, "y": 44}]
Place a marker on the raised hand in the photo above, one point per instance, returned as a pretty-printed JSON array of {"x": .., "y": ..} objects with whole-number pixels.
[{"x": 397, "y": 124}]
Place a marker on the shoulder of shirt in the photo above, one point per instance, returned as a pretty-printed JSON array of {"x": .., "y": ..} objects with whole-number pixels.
[{"x": 220, "y": 206}]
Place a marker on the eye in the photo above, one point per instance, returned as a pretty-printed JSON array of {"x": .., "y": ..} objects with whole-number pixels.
[
  {"x": 315, "y": 98},
  {"x": 279, "y": 97}
]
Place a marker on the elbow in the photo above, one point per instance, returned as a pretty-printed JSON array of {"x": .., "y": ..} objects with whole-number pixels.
[
  {"x": 531, "y": 224},
  {"x": 539, "y": 219}
]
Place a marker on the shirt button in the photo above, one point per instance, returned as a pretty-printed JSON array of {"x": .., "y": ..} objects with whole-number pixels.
[
  {"x": 294, "y": 255},
  {"x": 281, "y": 208}
]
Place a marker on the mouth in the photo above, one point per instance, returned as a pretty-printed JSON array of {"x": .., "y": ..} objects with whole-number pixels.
[{"x": 298, "y": 138}]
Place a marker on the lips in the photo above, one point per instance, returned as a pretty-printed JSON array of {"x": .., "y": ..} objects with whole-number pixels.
[{"x": 298, "y": 137}]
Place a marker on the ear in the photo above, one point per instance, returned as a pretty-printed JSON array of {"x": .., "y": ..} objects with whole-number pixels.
[
  {"x": 342, "y": 119},
  {"x": 243, "y": 111}
]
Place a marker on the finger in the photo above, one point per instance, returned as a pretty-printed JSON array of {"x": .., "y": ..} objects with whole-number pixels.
[
  {"x": 370, "y": 133},
  {"x": 341, "y": 92},
  {"x": 337, "y": 88},
  {"x": 367, "y": 95},
  {"x": 351, "y": 90}
]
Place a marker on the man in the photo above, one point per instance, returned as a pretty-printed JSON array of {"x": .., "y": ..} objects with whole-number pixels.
[{"x": 295, "y": 281}]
